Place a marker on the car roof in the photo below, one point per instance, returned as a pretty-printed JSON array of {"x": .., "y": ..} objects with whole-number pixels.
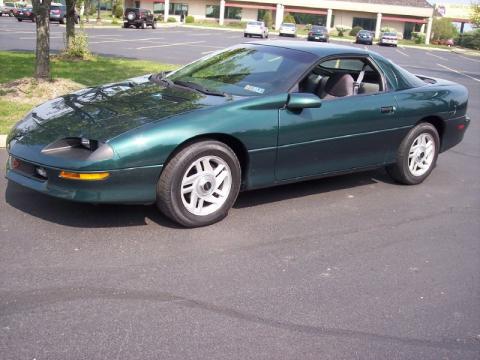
[{"x": 320, "y": 50}]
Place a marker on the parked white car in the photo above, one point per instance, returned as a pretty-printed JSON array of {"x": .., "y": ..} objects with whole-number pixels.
[
  {"x": 256, "y": 28},
  {"x": 287, "y": 29},
  {"x": 388, "y": 38}
]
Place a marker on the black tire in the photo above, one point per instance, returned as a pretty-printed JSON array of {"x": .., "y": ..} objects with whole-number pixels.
[
  {"x": 126, "y": 26},
  {"x": 244, "y": 35},
  {"x": 144, "y": 25},
  {"x": 19, "y": 20},
  {"x": 154, "y": 25},
  {"x": 169, "y": 197},
  {"x": 400, "y": 171},
  {"x": 62, "y": 21}
]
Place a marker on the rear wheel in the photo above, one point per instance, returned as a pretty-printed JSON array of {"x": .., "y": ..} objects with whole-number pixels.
[
  {"x": 416, "y": 155},
  {"x": 20, "y": 20},
  {"x": 144, "y": 25},
  {"x": 200, "y": 184},
  {"x": 154, "y": 25}
]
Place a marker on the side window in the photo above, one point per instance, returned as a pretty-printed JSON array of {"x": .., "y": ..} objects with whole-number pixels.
[{"x": 340, "y": 77}]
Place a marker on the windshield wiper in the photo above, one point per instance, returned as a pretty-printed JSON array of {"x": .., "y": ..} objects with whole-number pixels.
[
  {"x": 200, "y": 88},
  {"x": 161, "y": 78}
]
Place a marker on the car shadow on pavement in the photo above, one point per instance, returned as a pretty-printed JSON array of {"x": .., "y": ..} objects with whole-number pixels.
[
  {"x": 82, "y": 215},
  {"x": 103, "y": 216},
  {"x": 311, "y": 187}
]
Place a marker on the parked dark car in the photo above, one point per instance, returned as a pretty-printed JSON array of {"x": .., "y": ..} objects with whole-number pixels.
[
  {"x": 318, "y": 33},
  {"x": 25, "y": 13},
  {"x": 252, "y": 116},
  {"x": 140, "y": 18},
  {"x": 58, "y": 12},
  {"x": 364, "y": 37}
]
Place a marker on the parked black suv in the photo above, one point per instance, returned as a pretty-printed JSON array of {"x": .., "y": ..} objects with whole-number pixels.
[{"x": 140, "y": 18}]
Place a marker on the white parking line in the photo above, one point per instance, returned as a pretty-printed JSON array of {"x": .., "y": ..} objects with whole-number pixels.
[
  {"x": 467, "y": 58},
  {"x": 459, "y": 72},
  {"x": 167, "y": 45},
  {"x": 438, "y": 57},
  {"x": 125, "y": 40},
  {"x": 401, "y": 52}
]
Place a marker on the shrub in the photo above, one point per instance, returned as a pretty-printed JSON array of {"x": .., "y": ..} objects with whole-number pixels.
[
  {"x": 267, "y": 19},
  {"x": 341, "y": 30},
  {"x": 115, "y": 21},
  {"x": 118, "y": 12},
  {"x": 160, "y": 17},
  {"x": 418, "y": 37},
  {"x": 470, "y": 40},
  {"x": 288, "y": 18},
  {"x": 355, "y": 30},
  {"x": 387, "y": 29},
  {"x": 189, "y": 19},
  {"x": 78, "y": 48},
  {"x": 171, "y": 19}
]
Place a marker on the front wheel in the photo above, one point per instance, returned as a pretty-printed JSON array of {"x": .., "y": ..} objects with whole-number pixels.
[
  {"x": 200, "y": 184},
  {"x": 416, "y": 155},
  {"x": 19, "y": 20},
  {"x": 144, "y": 25},
  {"x": 154, "y": 25}
]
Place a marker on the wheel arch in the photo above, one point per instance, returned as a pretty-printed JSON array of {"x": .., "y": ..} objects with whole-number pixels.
[
  {"x": 234, "y": 143},
  {"x": 437, "y": 122}
]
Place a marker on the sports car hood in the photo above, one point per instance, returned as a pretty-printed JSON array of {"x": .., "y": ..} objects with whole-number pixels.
[{"x": 106, "y": 111}]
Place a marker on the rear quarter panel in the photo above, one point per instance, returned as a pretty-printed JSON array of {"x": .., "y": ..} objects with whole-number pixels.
[{"x": 444, "y": 100}]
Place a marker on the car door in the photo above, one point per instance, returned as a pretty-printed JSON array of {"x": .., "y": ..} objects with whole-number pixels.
[{"x": 342, "y": 134}]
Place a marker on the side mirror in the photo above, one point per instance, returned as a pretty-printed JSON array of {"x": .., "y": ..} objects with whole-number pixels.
[{"x": 299, "y": 101}]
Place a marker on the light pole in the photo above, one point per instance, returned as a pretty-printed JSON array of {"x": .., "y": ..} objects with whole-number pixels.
[{"x": 98, "y": 12}]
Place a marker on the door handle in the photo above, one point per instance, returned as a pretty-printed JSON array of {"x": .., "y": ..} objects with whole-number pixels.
[{"x": 387, "y": 109}]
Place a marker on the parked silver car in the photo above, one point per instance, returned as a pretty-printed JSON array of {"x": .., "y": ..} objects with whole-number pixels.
[
  {"x": 287, "y": 29},
  {"x": 256, "y": 28},
  {"x": 388, "y": 38}
]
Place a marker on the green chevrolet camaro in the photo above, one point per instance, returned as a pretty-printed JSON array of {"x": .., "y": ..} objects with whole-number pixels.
[{"x": 251, "y": 116}]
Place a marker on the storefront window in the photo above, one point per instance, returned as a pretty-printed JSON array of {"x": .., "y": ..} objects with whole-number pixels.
[
  {"x": 364, "y": 23},
  {"x": 212, "y": 11},
  {"x": 158, "y": 7},
  {"x": 178, "y": 9},
  {"x": 233, "y": 13}
]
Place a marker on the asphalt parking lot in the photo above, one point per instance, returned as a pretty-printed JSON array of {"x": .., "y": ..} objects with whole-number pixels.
[{"x": 352, "y": 267}]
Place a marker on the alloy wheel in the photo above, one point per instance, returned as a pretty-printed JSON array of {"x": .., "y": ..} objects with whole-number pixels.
[
  {"x": 206, "y": 185},
  {"x": 421, "y": 154}
]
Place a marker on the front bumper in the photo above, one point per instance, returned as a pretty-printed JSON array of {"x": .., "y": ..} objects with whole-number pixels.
[{"x": 123, "y": 186}]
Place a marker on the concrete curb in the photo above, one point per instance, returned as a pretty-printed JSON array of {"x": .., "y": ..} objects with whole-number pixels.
[{"x": 3, "y": 141}]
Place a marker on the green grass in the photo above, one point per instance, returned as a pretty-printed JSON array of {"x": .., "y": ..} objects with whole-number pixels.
[{"x": 100, "y": 70}]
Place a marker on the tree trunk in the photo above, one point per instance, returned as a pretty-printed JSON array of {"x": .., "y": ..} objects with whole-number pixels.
[
  {"x": 70, "y": 35},
  {"x": 42, "y": 52}
]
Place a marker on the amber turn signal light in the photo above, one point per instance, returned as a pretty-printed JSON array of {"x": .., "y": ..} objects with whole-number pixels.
[{"x": 84, "y": 176}]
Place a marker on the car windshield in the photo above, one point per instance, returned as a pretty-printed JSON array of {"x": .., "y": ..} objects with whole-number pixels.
[
  {"x": 390, "y": 34},
  {"x": 364, "y": 32},
  {"x": 246, "y": 70},
  {"x": 318, "y": 28},
  {"x": 288, "y": 25}
]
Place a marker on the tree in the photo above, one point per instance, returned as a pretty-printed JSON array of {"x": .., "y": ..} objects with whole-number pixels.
[
  {"x": 267, "y": 19},
  {"x": 475, "y": 14},
  {"x": 42, "y": 50},
  {"x": 70, "y": 32},
  {"x": 443, "y": 29},
  {"x": 288, "y": 18}
]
